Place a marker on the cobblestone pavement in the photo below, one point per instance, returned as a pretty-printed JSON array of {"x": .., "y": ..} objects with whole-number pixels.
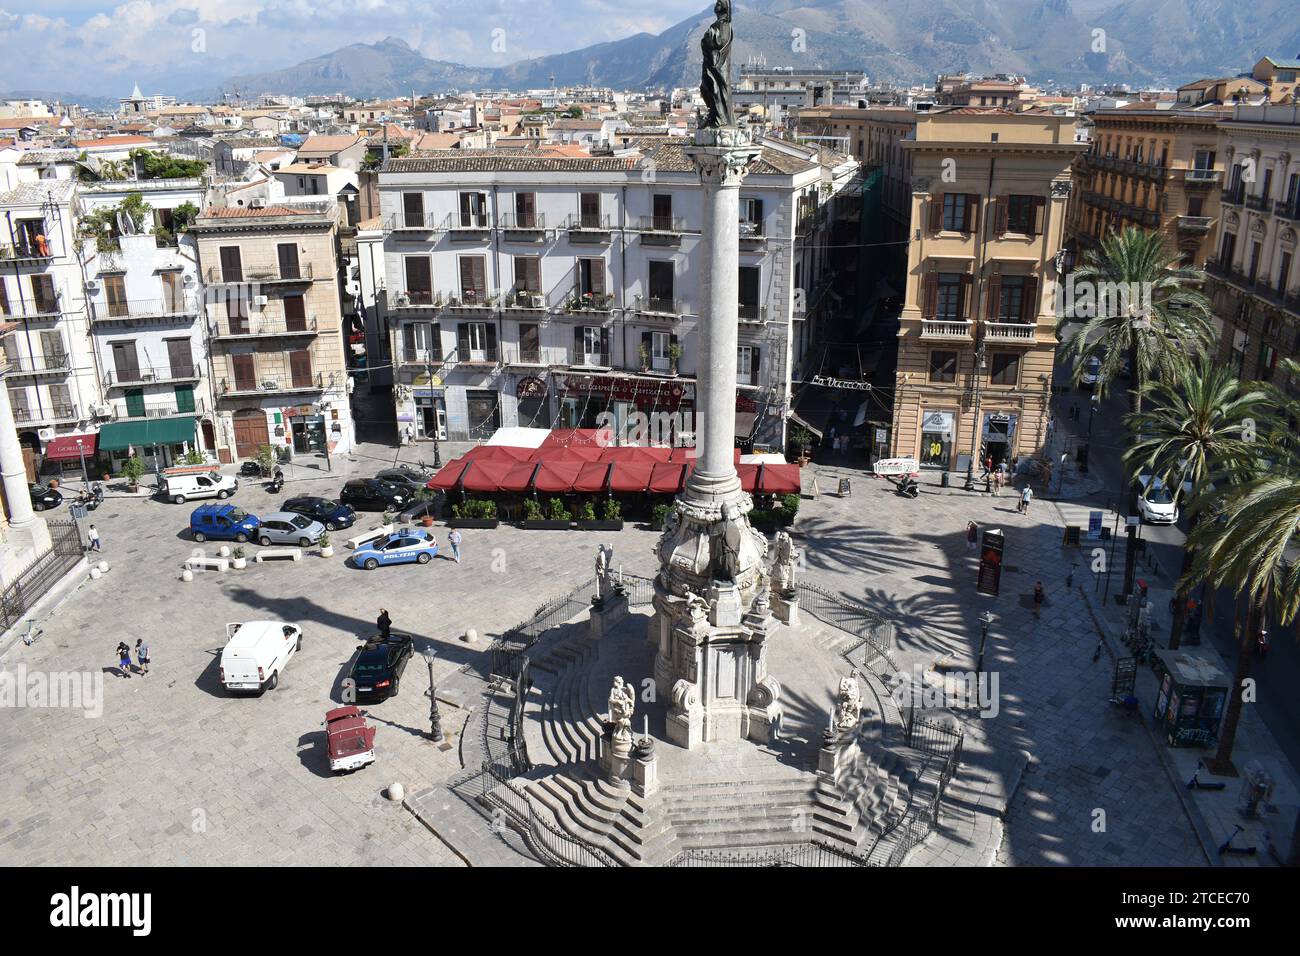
[{"x": 176, "y": 772}]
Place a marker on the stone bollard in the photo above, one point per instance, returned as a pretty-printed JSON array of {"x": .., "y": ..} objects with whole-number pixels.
[
  {"x": 187, "y": 575},
  {"x": 395, "y": 792},
  {"x": 95, "y": 574},
  {"x": 103, "y": 567},
  {"x": 470, "y": 636},
  {"x": 223, "y": 551}
]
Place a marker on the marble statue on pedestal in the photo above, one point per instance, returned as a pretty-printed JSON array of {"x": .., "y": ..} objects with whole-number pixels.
[
  {"x": 848, "y": 705},
  {"x": 715, "y": 76},
  {"x": 622, "y": 703}
]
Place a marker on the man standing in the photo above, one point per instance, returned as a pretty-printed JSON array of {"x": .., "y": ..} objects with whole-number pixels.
[
  {"x": 385, "y": 623},
  {"x": 142, "y": 655},
  {"x": 1025, "y": 497},
  {"x": 92, "y": 535},
  {"x": 454, "y": 540},
  {"x": 972, "y": 535}
]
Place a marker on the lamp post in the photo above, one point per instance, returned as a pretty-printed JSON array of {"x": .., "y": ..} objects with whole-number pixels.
[
  {"x": 85, "y": 476},
  {"x": 985, "y": 620},
  {"x": 435, "y": 718}
]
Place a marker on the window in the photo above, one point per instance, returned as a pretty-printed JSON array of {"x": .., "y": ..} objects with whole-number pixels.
[
  {"x": 659, "y": 285},
  {"x": 943, "y": 366},
  {"x": 525, "y": 210},
  {"x": 591, "y": 277},
  {"x": 1204, "y": 159},
  {"x": 528, "y": 274},
  {"x": 419, "y": 281},
  {"x": 1004, "y": 368},
  {"x": 1011, "y": 305},
  {"x": 44, "y": 297},
  {"x": 413, "y": 210},
  {"x": 662, "y": 220},
  {"x": 473, "y": 279},
  {"x": 746, "y": 365},
  {"x": 749, "y": 293},
  {"x": 530, "y": 342},
  {"x": 476, "y": 341},
  {"x": 232, "y": 269},
  {"x": 473, "y": 210},
  {"x": 1283, "y": 273},
  {"x": 949, "y": 304},
  {"x": 173, "y": 291},
  {"x": 4, "y": 298},
  {"x": 287, "y": 254},
  {"x": 1195, "y": 205},
  {"x": 956, "y": 212},
  {"x": 420, "y": 342},
  {"x": 591, "y": 345},
  {"x": 1023, "y": 215},
  {"x": 61, "y": 401},
  {"x": 589, "y": 210},
  {"x": 751, "y": 217}
]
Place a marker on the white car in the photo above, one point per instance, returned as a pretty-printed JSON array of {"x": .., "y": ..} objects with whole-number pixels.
[
  {"x": 1091, "y": 371},
  {"x": 1156, "y": 503},
  {"x": 256, "y": 652},
  {"x": 185, "y": 484}
]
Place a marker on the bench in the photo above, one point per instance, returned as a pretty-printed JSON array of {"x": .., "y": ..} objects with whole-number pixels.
[
  {"x": 207, "y": 564},
  {"x": 370, "y": 535},
  {"x": 278, "y": 554}
]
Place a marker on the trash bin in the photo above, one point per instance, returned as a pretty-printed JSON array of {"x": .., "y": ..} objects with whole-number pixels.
[{"x": 944, "y": 479}]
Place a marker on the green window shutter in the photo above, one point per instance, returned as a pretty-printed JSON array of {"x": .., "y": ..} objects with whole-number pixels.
[{"x": 184, "y": 398}]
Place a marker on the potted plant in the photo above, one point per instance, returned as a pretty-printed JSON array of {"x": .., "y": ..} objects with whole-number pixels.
[
  {"x": 609, "y": 520},
  {"x": 266, "y": 459},
  {"x": 800, "y": 444},
  {"x": 556, "y": 518},
  {"x": 475, "y": 513},
  {"x": 240, "y": 559},
  {"x": 389, "y": 517},
  {"x": 194, "y": 457},
  {"x": 326, "y": 547},
  {"x": 132, "y": 469},
  {"x": 674, "y": 356},
  {"x": 787, "y": 506},
  {"x": 660, "y": 514},
  {"x": 643, "y": 351}
]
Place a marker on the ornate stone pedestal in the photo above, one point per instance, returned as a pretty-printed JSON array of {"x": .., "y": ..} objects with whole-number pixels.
[
  {"x": 615, "y": 755},
  {"x": 644, "y": 767},
  {"x": 607, "y": 611}
]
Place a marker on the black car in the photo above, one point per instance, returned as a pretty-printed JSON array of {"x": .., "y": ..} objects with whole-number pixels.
[
  {"x": 378, "y": 668},
  {"x": 43, "y": 497},
  {"x": 371, "y": 494},
  {"x": 407, "y": 478},
  {"x": 331, "y": 514}
]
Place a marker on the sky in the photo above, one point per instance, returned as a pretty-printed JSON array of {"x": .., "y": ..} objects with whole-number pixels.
[{"x": 174, "y": 46}]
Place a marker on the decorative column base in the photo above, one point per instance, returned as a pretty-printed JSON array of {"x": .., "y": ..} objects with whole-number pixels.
[
  {"x": 607, "y": 612},
  {"x": 644, "y": 768},
  {"x": 828, "y": 758},
  {"x": 785, "y": 607},
  {"x": 615, "y": 755}
]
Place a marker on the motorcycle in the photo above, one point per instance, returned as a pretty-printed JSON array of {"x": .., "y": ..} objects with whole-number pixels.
[
  {"x": 907, "y": 488},
  {"x": 96, "y": 496},
  {"x": 277, "y": 482}
]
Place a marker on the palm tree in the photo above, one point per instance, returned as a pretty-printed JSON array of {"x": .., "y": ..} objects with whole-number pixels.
[
  {"x": 1198, "y": 423},
  {"x": 1143, "y": 309}
]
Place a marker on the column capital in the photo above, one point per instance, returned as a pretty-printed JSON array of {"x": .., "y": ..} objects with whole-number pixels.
[{"x": 723, "y": 156}]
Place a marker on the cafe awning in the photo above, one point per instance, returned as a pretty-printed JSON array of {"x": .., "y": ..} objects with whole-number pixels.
[
  {"x": 144, "y": 432},
  {"x": 578, "y": 453},
  {"x": 64, "y": 447},
  {"x": 519, "y": 477},
  {"x": 748, "y": 476},
  {"x": 592, "y": 477},
  {"x": 650, "y": 453},
  {"x": 448, "y": 475},
  {"x": 497, "y": 453},
  {"x": 667, "y": 477},
  {"x": 631, "y": 476},
  {"x": 486, "y": 475},
  {"x": 556, "y": 477},
  {"x": 780, "y": 480}
]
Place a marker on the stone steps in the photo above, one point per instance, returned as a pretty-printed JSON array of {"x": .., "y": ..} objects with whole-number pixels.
[
  {"x": 755, "y": 813},
  {"x": 560, "y": 698},
  {"x": 609, "y": 817}
]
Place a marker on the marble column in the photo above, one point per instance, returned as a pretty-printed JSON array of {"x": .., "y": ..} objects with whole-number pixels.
[{"x": 21, "y": 515}]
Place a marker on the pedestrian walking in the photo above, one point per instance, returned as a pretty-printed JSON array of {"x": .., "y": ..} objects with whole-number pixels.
[
  {"x": 124, "y": 658},
  {"x": 384, "y": 623},
  {"x": 142, "y": 655},
  {"x": 1026, "y": 496},
  {"x": 972, "y": 535},
  {"x": 92, "y": 535},
  {"x": 454, "y": 540},
  {"x": 997, "y": 481},
  {"x": 1074, "y": 411},
  {"x": 1038, "y": 599}
]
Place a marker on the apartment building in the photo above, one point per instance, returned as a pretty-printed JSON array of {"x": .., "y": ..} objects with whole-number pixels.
[
  {"x": 1157, "y": 169},
  {"x": 1254, "y": 283},
  {"x": 526, "y": 289},
  {"x": 977, "y": 331},
  {"x": 274, "y": 329},
  {"x": 144, "y": 305},
  {"x": 51, "y": 380}
]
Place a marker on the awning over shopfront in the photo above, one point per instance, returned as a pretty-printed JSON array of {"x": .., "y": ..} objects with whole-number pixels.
[
  {"x": 652, "y": 453},
  {"x": 578, "y": 453},
  {"x": 64, "y": 447},
  {"x": 144, "y": 432},
  {"x": 779, "y": 480},
  {"x": 569, "y": 437},
  {"x": 667, "y": 477},
  {"x": 519, "y": 477},
  {"x": 748, "y": 476},
  {"x": 556, "y": 477},
  {"x": 631, "y": 477},
  {"x": 485, "y": 475},
  {"x": 497, "y": 453},
  {"x": 690, "y": 454},
  {"x": 448, "y": 475},
  {"x": 591, "y": 479}
]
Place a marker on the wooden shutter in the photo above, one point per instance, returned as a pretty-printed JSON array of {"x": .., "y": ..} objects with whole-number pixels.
[
  {"x": 604, "y": 345},
  {"x": 936, "y": 212},
  {"x": 1029, "y": 302},
  {"x": 972, "y": 213},
  {"x": 525, "y": 204},
  {"x": 4, "y": 298},
  {"x": 408, "y": 340},
  {"x": 578, "y": 344},
  {"x": 232, "y": 270},
  {"x": 114, "y": 293},
  {"x": 462, "y": 341},
  {"x": 753, "y": 365},
  {"x": 528, "y": 274},
  {"x": 287, "y": 253},
  {"x": 245, "y": 373},
  {"x": 413, "y": 210},
  {"x": 929, "y": 294},
  {"x": 295, "y": 313},
  {"x": 435, "y": 341},
  {"x": 300, "y": 368},
  {"x": 180, "y": 358},
  {"x": 648, "y": 346},
  {"x": 598, "y": 276},
  {"x": 1000, "y": 206},
  {"x": 473, "y": 278},
  {"x": 1040, "y": 215},
  {"x": 491, "y": 341},
  {"x": 466, "y": 210},
  {"x": 963, "y": 299},
  {"x": 993, "y": 302}
]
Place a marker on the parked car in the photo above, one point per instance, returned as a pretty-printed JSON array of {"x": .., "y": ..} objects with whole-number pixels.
[
  {"x": 1091, "y": 371},
  {"x": 350, "y": 742},
  {"x": 401, "y": 547},
  {"x": 285, "y": 527},
  {"x": 377, "y": 672},
  {"x": 256, "y": 652},
  {"x": 371, "y": 494},
  {"x": 222, "y": 523},
  {"x": 403, "y": 477},
  {"x": 1156, "y": 503},
  {"x": 331, "y": 514},
  {"x": 182, "y": 484},
  {"x": 44, "y": 497}
]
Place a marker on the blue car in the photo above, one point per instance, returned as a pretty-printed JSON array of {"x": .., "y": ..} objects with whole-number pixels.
[
  {"x": 401, "y": 547},
  {"x": 223, "y": 523}
]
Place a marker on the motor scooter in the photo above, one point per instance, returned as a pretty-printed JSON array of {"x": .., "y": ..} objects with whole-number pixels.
[
  {"x": 907, "y": 487},
  {"x": 277, "y": 482}
]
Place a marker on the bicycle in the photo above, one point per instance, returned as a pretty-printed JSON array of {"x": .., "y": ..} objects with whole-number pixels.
[{"x": 33, "y": 633}]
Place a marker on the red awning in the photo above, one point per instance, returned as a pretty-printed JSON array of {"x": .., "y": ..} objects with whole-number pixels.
[
  {"x": 690, "y": 454},
  {"x": 448, "y": 475},
  {"x": 570, "y": 437},
  {"x": 623, "y": 453},
  {"x": 631, "y": 476},
  {"x": 667, "y": 477},
  {"x": 497, "y": 453},
  {"x": 578, "y": 453},
  {"x": 592, "y": 476},
  {"x": 748, "y": 477},
  {"x": 486, "y": 475},
  {"x": 780, "y": 480},
  {"x": 64, "y": 447},
  {"x": 519, "y": 477},
  {"x": 556, "y": 476}
]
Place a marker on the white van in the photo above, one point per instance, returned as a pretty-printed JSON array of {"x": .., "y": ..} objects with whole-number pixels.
[
  {"x": 181, "y": 486},
  {"x": 256, "y": 652}
]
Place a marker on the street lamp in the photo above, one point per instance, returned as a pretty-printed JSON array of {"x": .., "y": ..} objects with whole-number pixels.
[
  {"x": 435, "y": 718},
  {"x": 85, "y": 476},
  {"x": 985, "y": 620}
]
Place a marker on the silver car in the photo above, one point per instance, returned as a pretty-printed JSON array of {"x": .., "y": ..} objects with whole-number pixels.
[{"x": 283, "y": 527}]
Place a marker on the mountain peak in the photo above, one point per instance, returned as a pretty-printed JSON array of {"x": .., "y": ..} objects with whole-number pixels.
[{"x": 394, "y": 42}]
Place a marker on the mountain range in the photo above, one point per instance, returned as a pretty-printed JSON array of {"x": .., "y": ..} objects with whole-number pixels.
[{"x": 1050, "y": 41}]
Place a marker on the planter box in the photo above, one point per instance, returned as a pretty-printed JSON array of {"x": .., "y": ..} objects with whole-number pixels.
[
  {"x": 473, "y": 522},
  {"x": 546, "y": 525},
  {"x": 600, "y": 525}
]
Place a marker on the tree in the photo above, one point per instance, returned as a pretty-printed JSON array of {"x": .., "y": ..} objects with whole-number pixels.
[
  {"x": 573, "y": 112},
  {"x": 1136, "y": 303},
  {"x": 154, "y": 165},
  {"x": 102, "y": 224},
  {"x": 1200, "y": 423}
]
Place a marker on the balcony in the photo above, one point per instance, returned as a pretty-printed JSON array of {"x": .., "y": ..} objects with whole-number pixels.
[
  {"x": 482, "y": 357},
  {"x": 1257, "y": 203},
  {"x": 425, "y": 358},
  {"x": 25, "y": 253},
  {"x": 418, "y": 299},
  {"x": 261, "y": 328},
  {"x": 588, "y": 228},
  {"x": 471, "y": 228},
  {"x": 525, "y": 358},
  {"x": 1233, "y": 196},
  {"x": 303, "y": 274},
  {"x": 155, "y": 375},
  {"x": 159, "y": 410},
  {"x": 947, "y": 330},
  {"x": 279, "y": 384},
  {"x": 38, "y": 312},
  {"x": 751, "y": 314},
  {"x": 473, "y": 299},
  {"x": 524, "y": 300},
  {"x": 1198, "y": 225},
  {"x": 1201, "y": 177},
  {"x": 1012, "y": 333},
  {"x": 662, "y": 230},
  {"x": 751, "y": 235},
  {"x": 54, "y": 415},
  {"x": 524, "y": 228},
  {"x": 411, "y": 224},
  {"x": 1287, "y": 210},
  {"x": 581, "y": 301},
  {"x": 139, "y": 310},
  {"x": 40, "y": 365},
  {"x": 658, "y": 306}
]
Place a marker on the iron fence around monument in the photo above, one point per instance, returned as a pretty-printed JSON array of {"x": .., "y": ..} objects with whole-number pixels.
[
  {"x": 34, "y": 581},
  {"x": 507, "y": 651},
  {"x": 874, "y": 632},
  {"x": 938, "y": 738},
  {"x": 815, "y": 853}
]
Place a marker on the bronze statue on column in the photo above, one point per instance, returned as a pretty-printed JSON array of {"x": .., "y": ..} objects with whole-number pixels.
[{"x": 715, "y": 78}]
